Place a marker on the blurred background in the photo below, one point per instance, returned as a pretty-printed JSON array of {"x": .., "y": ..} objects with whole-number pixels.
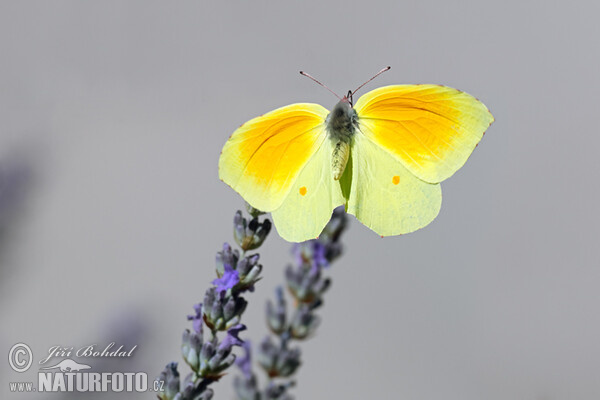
[{"x": 112, "y": 117}]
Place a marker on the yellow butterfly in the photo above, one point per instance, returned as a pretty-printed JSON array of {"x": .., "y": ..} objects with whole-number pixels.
[{"x": 382, "y": 158}]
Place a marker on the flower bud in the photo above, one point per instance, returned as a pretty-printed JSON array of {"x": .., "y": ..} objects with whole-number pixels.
[
  {"x": 306, "y": 284},
  {"x": 191, "y": 344},
  {"x": 276, "y": 314},
  {"x": 278, "y": 361},
  {"x": 170, "y": 378},
  {"x": 304, "y": 323},
  {"x": 250, "y": 235},
  {"x": 226, "y": 257}
]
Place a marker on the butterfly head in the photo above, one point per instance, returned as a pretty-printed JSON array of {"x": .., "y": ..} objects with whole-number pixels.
[
  {"x": 348, "y": 99},
  {"x": 341, "y": 120}
]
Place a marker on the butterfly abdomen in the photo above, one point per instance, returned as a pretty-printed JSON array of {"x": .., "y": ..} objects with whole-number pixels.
[
  {"x": 339, "y": 159},
  {"x": 341, "y": 126}
]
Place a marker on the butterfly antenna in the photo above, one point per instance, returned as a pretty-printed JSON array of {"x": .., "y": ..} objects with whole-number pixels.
[
  {"x": 374, "y": 76},
  {"x": 311, "y": 77}
]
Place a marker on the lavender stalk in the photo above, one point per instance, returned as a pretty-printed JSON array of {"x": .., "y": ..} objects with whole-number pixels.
[{"x": 220, "y": 311}]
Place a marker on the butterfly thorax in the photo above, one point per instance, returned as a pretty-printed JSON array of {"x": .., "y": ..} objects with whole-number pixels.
[{"x": 341, "y": 126}]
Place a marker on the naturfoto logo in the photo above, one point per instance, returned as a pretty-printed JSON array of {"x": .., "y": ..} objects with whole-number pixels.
[{"x": 68, "y": 375}]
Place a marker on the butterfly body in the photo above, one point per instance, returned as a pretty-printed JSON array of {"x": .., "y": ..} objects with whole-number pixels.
[
  {"x": 342, "y": 123},
  {"x": 382, "y": 158}
]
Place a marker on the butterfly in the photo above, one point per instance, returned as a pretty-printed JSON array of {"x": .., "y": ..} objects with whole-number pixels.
[{"x": 383, "y": 158}]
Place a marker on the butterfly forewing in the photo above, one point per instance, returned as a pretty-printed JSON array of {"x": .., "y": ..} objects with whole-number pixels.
[
  {"x": 263, "y": 158},
  {"x": 431, "y": 129}
]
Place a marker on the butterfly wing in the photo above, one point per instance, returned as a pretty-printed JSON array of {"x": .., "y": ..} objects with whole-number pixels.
[
  {"x": 383, "y": 194},
  {"x": 264, "y": 157},
  {"x": 431, "y": 129},
  {"x": 410, "y": 137},
  {"x": 311, "y": 200}
]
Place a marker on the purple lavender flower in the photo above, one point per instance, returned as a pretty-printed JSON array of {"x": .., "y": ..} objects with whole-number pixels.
[
  {"x": 214, "y": 359},
  {"x": 235, "y": 272},
  {"x": 230, "y": 278},
  {"x": 232, "y": 338},
  {"x": 245, "y": 363},
  {"x": 197, "y": 319},
  {"x": 312, "y": 252}
]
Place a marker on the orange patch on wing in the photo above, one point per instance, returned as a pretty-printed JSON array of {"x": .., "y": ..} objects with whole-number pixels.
[
  {"x": 396, "y": 180},
  {"x": 303, "y": 190}
]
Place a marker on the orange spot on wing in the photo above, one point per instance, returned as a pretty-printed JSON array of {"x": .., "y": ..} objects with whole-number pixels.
[
  {"x": 303, "y": 190},
  {"x": 396, "y": 180}
]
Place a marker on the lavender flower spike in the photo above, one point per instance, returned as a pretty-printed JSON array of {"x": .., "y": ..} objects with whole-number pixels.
[
  {"x": 307, "y": 285},
  {"x": 221, "y": 310}
]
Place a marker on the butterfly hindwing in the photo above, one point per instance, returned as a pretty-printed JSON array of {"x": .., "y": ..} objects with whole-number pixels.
[
  {"x": 431, "y": 129},
  {"x": 313, "y": 196},
  {"x": 384, "y": 195},
  {"x": 263, "y": 158}
]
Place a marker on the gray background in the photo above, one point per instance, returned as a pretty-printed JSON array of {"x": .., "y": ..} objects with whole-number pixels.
[{"x": 120, "y": 109}]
